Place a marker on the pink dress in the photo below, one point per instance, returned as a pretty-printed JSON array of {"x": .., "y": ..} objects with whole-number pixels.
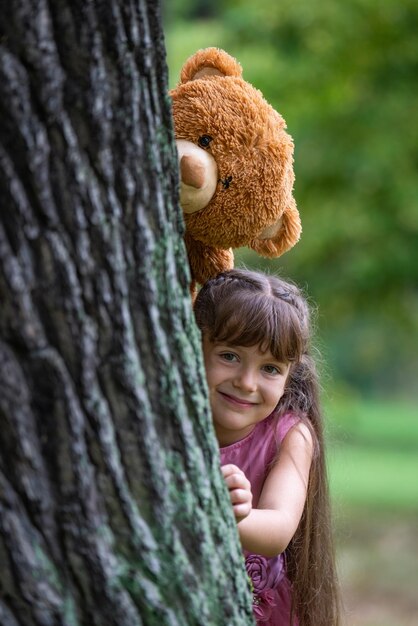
[{"x": 254, "y": 455}]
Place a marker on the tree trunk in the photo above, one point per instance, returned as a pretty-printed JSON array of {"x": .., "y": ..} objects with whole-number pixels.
[{"x": 112, "y": 508}]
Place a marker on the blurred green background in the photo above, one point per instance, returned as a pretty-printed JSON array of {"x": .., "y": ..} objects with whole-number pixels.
[{"x": 344, "y": 75}]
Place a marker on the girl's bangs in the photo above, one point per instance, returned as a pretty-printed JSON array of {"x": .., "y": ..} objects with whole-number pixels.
[{"x": 249, "y": 319}]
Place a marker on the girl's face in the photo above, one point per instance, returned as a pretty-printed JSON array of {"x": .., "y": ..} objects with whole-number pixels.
[{"x": 245, "y": 386}]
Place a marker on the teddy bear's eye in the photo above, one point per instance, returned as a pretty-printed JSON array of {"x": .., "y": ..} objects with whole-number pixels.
[{"x": 204, "y": 141}]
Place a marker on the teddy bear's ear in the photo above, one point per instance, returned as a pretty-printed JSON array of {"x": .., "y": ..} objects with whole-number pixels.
[
  {"x": 281, "y": 236},
  {"x": 210, "y": 62}
]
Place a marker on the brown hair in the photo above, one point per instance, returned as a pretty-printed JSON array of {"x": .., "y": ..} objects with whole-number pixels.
[{"x": 247, "y": 308}]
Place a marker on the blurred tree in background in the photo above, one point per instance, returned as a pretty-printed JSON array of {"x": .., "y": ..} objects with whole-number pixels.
[{"x": 345, "y": 77}]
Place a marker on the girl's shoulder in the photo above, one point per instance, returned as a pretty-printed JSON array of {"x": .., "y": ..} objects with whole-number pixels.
[
  {"x": 285, "y": 423},
  {"x": 301, "y": 435}
]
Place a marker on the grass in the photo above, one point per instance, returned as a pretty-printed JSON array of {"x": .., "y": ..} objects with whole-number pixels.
[
  {"x": 373, "y": 454},
  {"x": 380, "y": 479},
  {"x": 376, "y": 422},
  {"x": 373, "y": 468}
]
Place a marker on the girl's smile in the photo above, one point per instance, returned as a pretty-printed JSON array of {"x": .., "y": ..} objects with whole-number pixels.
[
  {"x": 245, "y": 386},
  {"x": 238, "y": 401}
]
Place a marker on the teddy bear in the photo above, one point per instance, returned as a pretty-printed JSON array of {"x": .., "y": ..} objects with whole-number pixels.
[{"x": 235, "y": 166}]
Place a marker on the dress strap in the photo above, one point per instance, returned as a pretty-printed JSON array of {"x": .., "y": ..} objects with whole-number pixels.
[{"x": 286, "y": 422}]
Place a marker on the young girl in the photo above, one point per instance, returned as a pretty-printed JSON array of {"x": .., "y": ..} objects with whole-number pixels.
[{"x": 263, "y": 390}]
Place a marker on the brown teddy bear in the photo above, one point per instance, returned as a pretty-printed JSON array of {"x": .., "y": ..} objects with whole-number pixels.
[{"x": 236, "y": 166}]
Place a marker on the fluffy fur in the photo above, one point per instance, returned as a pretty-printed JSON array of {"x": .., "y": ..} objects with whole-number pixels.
[{"x": 253, "y": 203}]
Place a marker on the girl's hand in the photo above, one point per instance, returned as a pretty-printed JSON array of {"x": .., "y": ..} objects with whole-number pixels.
[{"x": 239, "y": 490}]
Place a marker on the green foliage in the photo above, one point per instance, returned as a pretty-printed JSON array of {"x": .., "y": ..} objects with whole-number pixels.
[
  {"x": 189, "y": 9},
  {"x": 184, "y": 38},
  {"x": 345, "y": 77},
  {"x": 345, "y": 80}
]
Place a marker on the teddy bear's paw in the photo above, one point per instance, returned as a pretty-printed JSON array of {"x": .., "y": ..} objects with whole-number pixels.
[{"x": 206, "y": 261}]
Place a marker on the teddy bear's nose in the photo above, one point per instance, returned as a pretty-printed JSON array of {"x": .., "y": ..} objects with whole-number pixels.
[{"x": 192, "y": 173}]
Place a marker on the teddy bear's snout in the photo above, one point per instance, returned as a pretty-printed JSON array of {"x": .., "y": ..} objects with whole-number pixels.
[
  {"x": 192, "y": 173},
  {"x": 198, "y": 176}
]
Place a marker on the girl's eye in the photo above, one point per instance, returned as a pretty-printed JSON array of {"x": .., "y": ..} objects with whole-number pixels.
[
  {"x": 271, "y": 369},
  {"x": 228, "y": 356}
]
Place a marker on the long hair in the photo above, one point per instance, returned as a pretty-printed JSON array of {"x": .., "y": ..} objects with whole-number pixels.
[{"x": 247, "y": 308}]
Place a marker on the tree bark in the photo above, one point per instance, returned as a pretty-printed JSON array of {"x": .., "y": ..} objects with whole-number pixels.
[{"x": 112, "y": 507}]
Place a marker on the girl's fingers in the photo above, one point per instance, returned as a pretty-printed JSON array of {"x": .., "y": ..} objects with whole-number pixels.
[
  {"x": 235, "y": 478},
  {"x": 239, "y": 490},
  {"x": 241, "y": 496},
  {"x": 241, "y": 511},
  {"x": 228, "y": 470}
]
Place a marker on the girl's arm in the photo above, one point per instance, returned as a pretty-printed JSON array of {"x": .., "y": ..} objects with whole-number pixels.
[{"x": 268, "y": 529}]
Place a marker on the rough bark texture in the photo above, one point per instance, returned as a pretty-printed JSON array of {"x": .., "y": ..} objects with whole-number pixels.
[{"x": 112, "y": 509}]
